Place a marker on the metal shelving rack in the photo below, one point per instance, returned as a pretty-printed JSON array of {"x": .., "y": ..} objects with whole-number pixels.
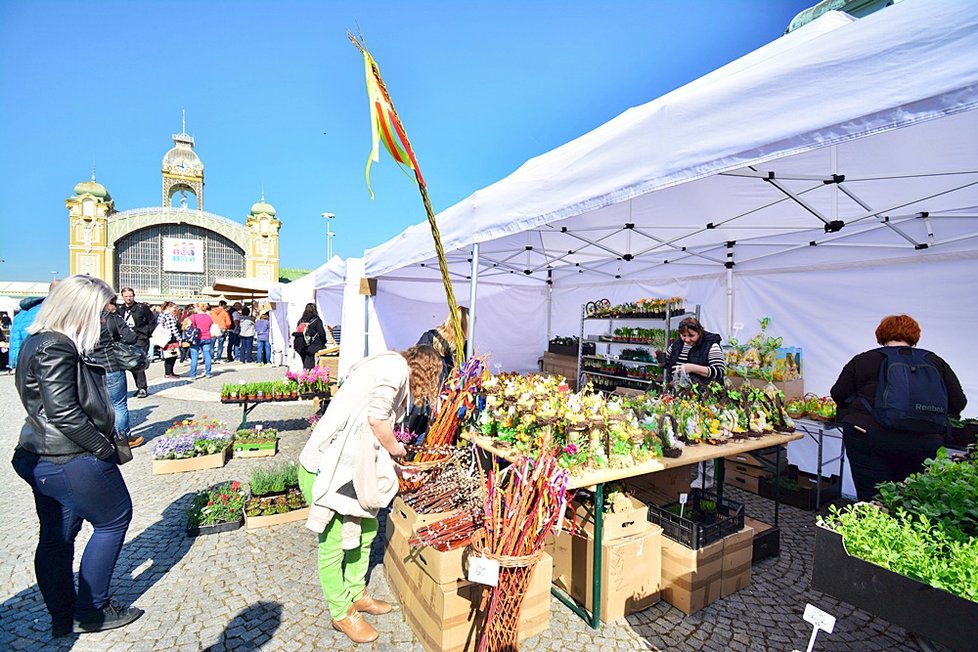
[{"x": 667, "y": 322}]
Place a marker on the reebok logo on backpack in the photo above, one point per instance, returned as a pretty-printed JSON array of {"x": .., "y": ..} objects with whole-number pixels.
[{"x": 911, "y": 395}]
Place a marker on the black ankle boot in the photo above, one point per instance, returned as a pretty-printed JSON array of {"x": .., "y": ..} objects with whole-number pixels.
[{"x": 110, "y": 616}]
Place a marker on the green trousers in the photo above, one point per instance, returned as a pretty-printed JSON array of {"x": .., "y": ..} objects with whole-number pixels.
[{"x": 342, "y": 573}]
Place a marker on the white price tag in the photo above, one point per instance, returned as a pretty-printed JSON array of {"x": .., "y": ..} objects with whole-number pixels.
[
  {"x": 258, "y": 428},
  {"x": 820, "y": 619},
  {"x": 683, "y": 498},
  {"x": 483, "y": 570}
]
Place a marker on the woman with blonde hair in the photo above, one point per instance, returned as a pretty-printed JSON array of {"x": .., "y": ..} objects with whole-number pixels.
[
  {"x": 67, "y": 456},
  {"x": 347, "y": 474}
]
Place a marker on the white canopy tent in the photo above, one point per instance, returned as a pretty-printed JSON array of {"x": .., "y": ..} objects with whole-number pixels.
[
  {"x": 323, "y": 285},
  {"x": 825, "y": 180},
  {"x": 812, "y": 181}
]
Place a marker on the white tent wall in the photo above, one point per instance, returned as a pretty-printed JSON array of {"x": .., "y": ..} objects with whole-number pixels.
[
  {"x": 361, "y": 333},
  {"x": 510, "y": 322},
  {"x": 322, "y": 286}
]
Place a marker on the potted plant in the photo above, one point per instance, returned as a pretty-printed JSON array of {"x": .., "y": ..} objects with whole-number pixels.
[
  {"x": 275, "y": 497},
  {"x": 256, "y": 442},
  {"x": 219, "y": 508}
]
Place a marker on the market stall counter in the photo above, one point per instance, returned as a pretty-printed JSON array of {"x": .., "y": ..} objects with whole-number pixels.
[{"x": 598, "y": 478}]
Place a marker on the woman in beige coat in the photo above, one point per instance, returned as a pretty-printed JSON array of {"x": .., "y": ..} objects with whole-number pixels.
[{"x": 347, "y": 474}]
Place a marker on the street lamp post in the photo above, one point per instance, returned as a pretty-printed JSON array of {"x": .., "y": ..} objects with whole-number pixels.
[{"x": 329, "y": 235}]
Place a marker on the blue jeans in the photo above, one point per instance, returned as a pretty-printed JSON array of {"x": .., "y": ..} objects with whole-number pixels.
[
  {"x": 219, "y": 345},
  {"x": 86, "y": 488},
  {"x": 245, "y": 345},
  {"x": 264, "y": 352},
  {"x": 118, "y": 392},
  {"x": 204, "y": 347}
]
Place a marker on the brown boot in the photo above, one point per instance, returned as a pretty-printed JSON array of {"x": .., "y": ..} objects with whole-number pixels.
[
  {"x": 355, "y": 627},
  {"x": 372, "y": 606}
]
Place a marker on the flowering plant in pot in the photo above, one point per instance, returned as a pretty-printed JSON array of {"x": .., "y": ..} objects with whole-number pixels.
[{"x": 218, "y": 508}]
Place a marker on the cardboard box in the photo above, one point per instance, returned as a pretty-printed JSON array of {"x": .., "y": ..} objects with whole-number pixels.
[
  {"x": 660, "y": 488},
  {"x": 410, "y": 520},
  {"x": 762, "y": 462},
  {"x": 803, "y": 489},
  {"x": 615, "y": 525},
  {"x": 448, "y": 617},
  {"x": 442, "y": 567},
  {"x": 255, "y": 522},
  {"x": 198, "y": 463},
  {"x": 736, "y": 478},
  {"x": 691, "y": 579},
  {"x": 738, "y": 556},
  {"x": 562, "y": 365},
  {"x": 631, "y": 568},
  {"x": 790, "y": 388}
]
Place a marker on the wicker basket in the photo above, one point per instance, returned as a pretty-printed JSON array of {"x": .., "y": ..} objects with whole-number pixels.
[
  {"x": 426, "y": 471},
  {"x": 501, "y": 629}
]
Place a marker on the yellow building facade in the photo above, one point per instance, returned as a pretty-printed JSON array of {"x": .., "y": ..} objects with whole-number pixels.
[{"x": 170, "y": 251}]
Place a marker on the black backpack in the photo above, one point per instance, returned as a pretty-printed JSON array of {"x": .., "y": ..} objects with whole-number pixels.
[{"x": 911, "y": 395}]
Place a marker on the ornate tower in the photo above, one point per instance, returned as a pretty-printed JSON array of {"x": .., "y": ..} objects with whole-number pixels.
[
  {"x": 88, "y": 214},
  {"x": 182, "y": 170},
  {"x": 261, "y": 260}
]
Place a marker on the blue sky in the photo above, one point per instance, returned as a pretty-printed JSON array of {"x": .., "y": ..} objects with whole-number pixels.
[{"x": 275, "y": 98}]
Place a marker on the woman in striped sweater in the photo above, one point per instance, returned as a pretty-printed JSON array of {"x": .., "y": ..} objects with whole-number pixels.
[{"x": 697, "y": 352}]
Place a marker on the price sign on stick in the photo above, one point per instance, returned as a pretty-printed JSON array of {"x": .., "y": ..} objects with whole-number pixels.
[
  {"x": 820, "y": 620},
  {"x": 682, "y": 503},
  {"x": 483, "y": 570}
]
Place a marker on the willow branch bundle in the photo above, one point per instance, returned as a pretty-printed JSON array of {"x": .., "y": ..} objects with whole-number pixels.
[
  {"x": 458, "y": 400},
  {"x": 524, "y": 503}
]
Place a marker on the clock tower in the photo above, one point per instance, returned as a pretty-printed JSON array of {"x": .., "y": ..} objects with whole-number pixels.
[
  {"x": 182, "y": 171},
  {"x": 88, "y": 214}
]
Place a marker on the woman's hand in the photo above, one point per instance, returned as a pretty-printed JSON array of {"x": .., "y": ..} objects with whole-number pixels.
[{"x": 398, "y": 450}]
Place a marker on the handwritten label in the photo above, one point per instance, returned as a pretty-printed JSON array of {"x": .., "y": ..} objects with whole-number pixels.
[
  {"x": 483, "y": 570},
  {"x": 820, "y": 619},
  {"x": 258, "y": 428},
  {"x": 683, "y": 498}
]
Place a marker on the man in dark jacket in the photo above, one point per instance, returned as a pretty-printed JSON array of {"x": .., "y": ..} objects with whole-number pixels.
[{"x": 138, "y": 317}]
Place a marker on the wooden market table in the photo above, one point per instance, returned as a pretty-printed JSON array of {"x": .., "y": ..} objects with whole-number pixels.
[{"x": 597, "y": 479}]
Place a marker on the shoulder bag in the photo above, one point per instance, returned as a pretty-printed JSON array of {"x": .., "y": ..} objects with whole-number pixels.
[
  {"x": 129, "y": 357},
  {"x": 92, "y": 389}
]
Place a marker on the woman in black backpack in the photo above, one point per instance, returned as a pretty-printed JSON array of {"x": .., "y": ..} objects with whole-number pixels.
[
  {"x": 309, "y": 336},
  {"x": 877, "y": 453}
]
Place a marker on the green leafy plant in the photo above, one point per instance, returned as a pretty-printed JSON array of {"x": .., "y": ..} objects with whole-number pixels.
[
  {"x": 945, "y": 492},
  {"x": 274, "y": 479},
  {"x": 912, "y": 545}
]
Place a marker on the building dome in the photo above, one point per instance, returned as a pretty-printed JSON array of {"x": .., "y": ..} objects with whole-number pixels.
[
  {"x": 93, "y": 188},
  {"x": 182, "y": 160},
  {"x": 261, "y": 206}
]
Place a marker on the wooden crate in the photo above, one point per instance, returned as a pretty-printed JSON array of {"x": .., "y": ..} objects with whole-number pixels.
[{"x": 255, "y": 522}]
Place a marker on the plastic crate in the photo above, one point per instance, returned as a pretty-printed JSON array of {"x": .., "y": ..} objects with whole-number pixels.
[{"x": 695, "y": 535}]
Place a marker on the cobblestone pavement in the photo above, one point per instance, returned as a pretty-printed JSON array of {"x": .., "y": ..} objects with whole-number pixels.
[{"x": 258, "y": 590}]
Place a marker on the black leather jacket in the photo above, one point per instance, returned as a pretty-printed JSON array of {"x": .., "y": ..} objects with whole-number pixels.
[{"x": 63, "y": 417}]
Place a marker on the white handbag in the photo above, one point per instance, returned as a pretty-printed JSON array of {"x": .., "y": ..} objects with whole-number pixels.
[
  {"x": 215, "y": 330},
  {"x": 161, "y": 336}
]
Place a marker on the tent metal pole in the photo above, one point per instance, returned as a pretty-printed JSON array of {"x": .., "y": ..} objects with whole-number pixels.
[
  {"x": 550, "y": 304},
  {"x": 473, "y": 286},
  {"x": 366, "y": 326},
  {"x": 730, "y": 290}
]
